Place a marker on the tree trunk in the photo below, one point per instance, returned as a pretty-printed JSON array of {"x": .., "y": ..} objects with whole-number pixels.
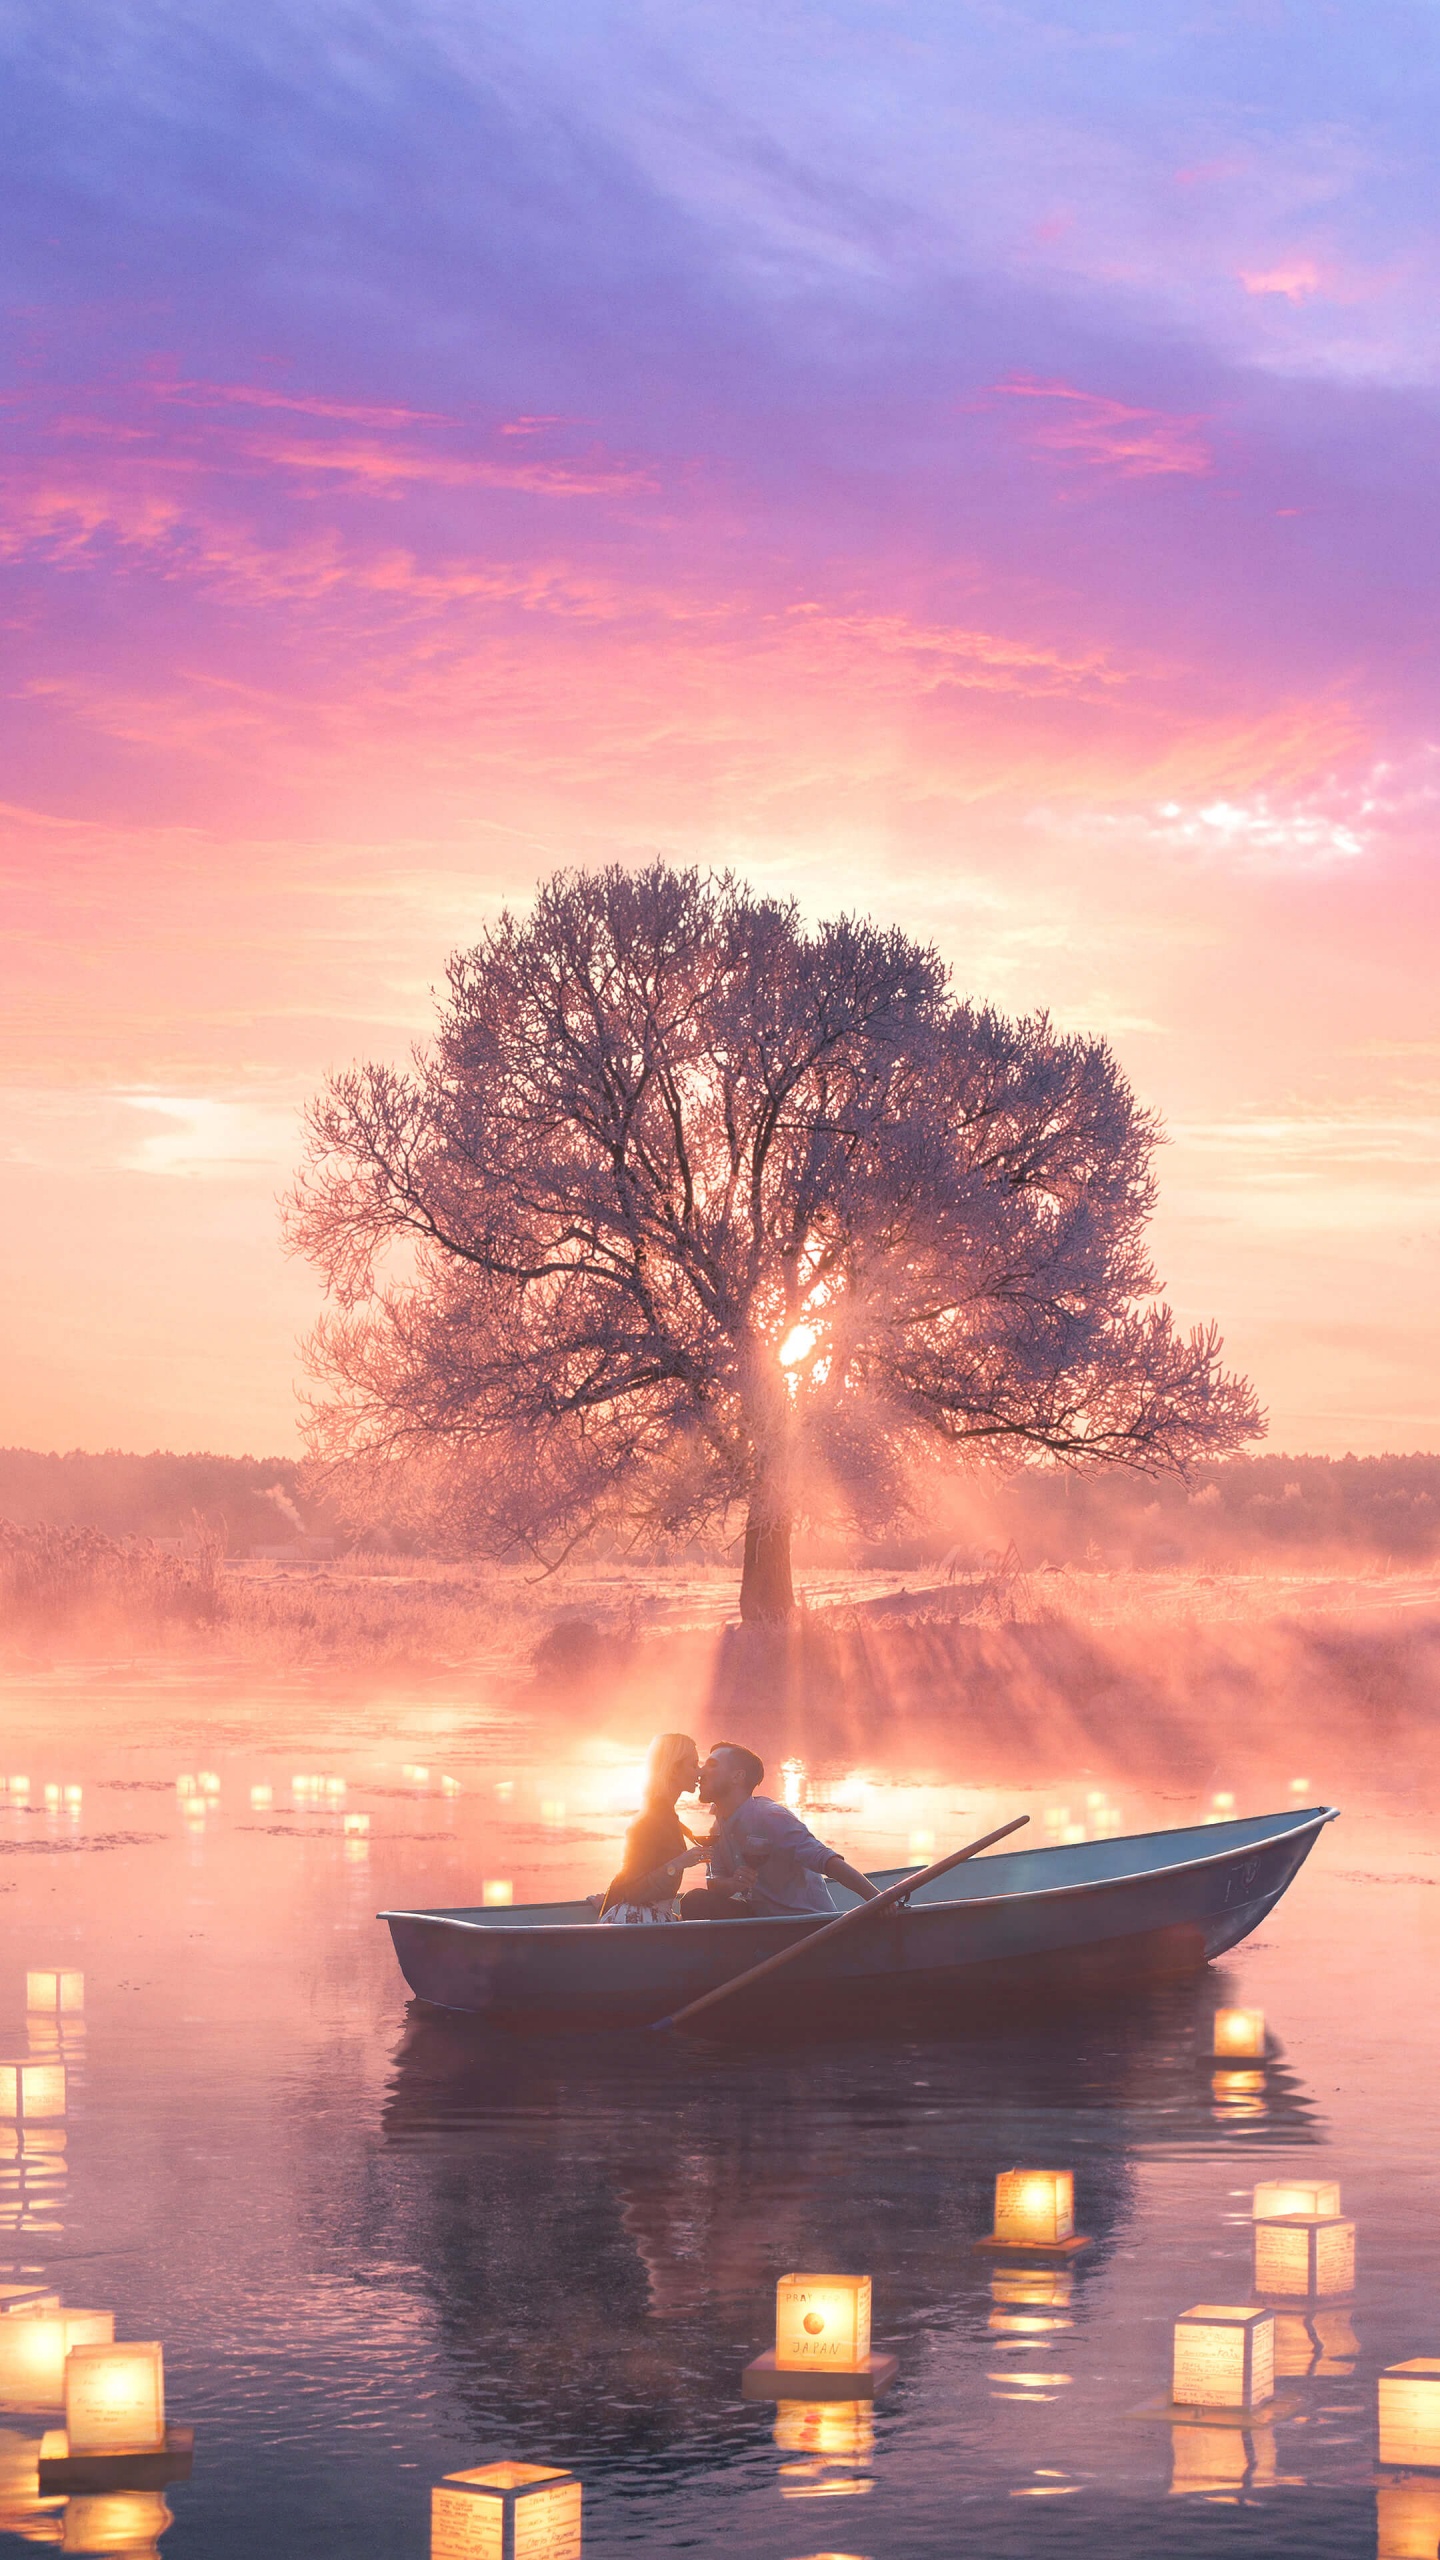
[{"x": 767, "y": 1593}]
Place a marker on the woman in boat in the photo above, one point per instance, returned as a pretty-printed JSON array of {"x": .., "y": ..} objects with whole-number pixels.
[{"x": 658, "y": 1847}]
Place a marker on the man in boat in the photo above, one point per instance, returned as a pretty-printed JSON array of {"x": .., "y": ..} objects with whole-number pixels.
[{"x": 762, "y": 1864}]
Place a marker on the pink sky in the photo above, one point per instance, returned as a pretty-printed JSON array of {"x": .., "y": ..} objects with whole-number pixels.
[{"x": 984, "y": 479}]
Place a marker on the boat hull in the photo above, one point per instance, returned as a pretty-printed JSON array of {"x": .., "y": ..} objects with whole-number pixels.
[{"x": 1028, "y": 1923}]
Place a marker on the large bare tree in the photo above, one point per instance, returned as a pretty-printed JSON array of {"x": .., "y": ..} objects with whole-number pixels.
[{"x": 691, "y": 1211}]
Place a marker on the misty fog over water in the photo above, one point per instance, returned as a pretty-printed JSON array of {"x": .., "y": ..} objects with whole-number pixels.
[{"x": 380, "y": 2244}]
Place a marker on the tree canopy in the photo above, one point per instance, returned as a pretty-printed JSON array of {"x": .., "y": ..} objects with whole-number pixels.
[{"x": 692, "y": 1211}]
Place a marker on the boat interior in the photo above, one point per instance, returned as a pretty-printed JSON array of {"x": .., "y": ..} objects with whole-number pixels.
[{"x": 1012, "y": 1871}]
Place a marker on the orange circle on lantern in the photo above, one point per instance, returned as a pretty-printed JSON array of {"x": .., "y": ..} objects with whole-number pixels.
[{"x": 814, "y": 2323}]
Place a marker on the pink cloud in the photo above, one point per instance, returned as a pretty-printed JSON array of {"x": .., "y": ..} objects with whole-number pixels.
[
  {"x": 1296, "y": 279},
  {"x": 1106, "y": 435}
]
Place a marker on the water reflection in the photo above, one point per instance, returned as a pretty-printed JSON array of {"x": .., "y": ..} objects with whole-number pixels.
[
  {"x": 1220, "y": 2463},
  {"x": 1407, "y": 2519}
]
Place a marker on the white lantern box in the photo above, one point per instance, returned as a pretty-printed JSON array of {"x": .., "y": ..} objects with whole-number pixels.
[
  {"x": 1410, "y": 2414},
  {"x": 34, "y": 2346},
  {"x": 18, "y": 2298},
  {"x": 32, "y": 2092},
  {"x": 1239, "y": 2036},
  {"x": 1276, "y": 2196},
  {"x": 822, "y": 2343},
  {"x": 1035, "y": 2215},
  {"x": 1224, "y": 2358},
  {"x": 1304, "y": 2253},
  {"x": 63, "y": 1993},
  {"x": 115, "y": 2397},
  {"x": 506, "y": 2511}
]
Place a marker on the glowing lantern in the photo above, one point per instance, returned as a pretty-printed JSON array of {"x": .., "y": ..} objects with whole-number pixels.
[
  {"x": 497, "y": 1892},
  {"x": 552, "y": 1809},
  {"x": 208, "y": 1782},
  {"x": 33, "y": 2351},
  {"x": 184, "y": 1786},
  {"x": 127, "y": 2520},
  {"x": 450, "y": 1787},
  {"x": 52, "y": 1792},
  {"x": 32, "y": 2092},
  {"x": 17, "y": 2298},
  {"x": 1224, "y": 2357},
  {"x": 356, "y": 1825},
  {"x": 822, "y": 2320},
  {"x": 506, "y": 2511},
  {"x": 1034, "y": 2209},
  {"x": 1304, "y": 2253},
  {"x": 58, "y": 1991},
  {"x": 1410, "y": 2414},
  {"x": 115, "y": 2398},
  {"x": 1239, "y": 2035},
  {"x": 335, "y": 1787},
  {"x": 1407, "y": 2520},
  {"x": 417, "y": 1773},
  {"x": 261, "y": 1799},
  {"x": 1295, "y": 2195},
  {"x": 19, "y": 1786}
]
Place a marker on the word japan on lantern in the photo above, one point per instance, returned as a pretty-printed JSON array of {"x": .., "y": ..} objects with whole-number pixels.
[
  {"x": 1224, "y": 2357},
  {"x": 1304, "y": 2253},
  {"x": 822, "y": 2343},
  {"x": 506, "y": 2511},
  {"x": 1410, "y": 2414}
]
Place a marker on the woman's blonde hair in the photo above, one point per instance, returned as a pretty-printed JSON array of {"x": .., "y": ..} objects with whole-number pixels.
[{"x": 666, "y": 1758}]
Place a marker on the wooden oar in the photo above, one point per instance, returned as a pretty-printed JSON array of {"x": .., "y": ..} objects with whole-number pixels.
[{"x": 885, "y": 1901}]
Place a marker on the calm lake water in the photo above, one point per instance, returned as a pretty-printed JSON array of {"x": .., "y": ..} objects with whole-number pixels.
[{"x": 379, "y": 2246}]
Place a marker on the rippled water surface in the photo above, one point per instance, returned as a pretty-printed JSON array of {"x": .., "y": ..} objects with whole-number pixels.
[{"x": 380, "y": 2245}]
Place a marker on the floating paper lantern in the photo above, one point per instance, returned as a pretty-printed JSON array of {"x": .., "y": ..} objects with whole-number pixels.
[
  {"x": 450, "y": 1787},
  {"x": 63, "y": 1992},
  {"x": 497, "y": 1892},
  {"x": 52, "y": 1792},
  {"x": 32, "y": 2092},
  {"x": 1224, "y": 2357},
  {"x": 1295, "y": 2195},
  {"x": 115, "y": 2397},
  {"x": 126, "y": 2520},
  {"x": 261, "y": 1799},
  {"x": 1407, "y": 2520},
  {"x": 1410, "y": 2414},
  {"x": 416, "y": 1772},
  {"x": 335, "y": 1787},
  {"x": 356, "y": 1825},
  {"x": 1239, "y": 2035},
  {"x": 1304, "y": 2253},
  {"x": 16, "y": 2299},
  {"x": 34, "y": 2347},
  {"x": 1034, "y": 2206},
  {"x": 506, "y": 2511},
  {"x": 822, "y": 2320}
]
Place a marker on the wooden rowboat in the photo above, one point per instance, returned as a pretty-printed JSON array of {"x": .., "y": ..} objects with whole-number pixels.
[{"x": 1094, "y": 1913}]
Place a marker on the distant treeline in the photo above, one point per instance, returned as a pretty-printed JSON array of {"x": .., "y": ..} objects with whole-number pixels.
[
  {"x": 1237, "y": 1512},
  {"x": 1240, "y": 1511},
  {"x": 250, "y": 1502}
]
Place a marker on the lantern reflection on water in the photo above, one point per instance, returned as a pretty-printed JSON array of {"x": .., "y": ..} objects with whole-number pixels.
[
  {"x": 1224, "y": 2357},
  {"x": 1407, "y": 2520},
  {"x": 123, "y": 2520},
  {"x": 1239, "y": 2035},
  {"x": 32, "y": 2092},
  {"x": 843, "y": 2430},
  {"x": 1322, "y": 2344},
  {"x": 34, "y": 2346},
  {"x": 1239, "y": 2093},
  {"x": 506, "y": 2511},
  {"x": 1306, "y": 2253},
  {"x": 1030, "y": 2300},
  {"x": 1216, "y": 2462},
  {"x": 115, "y": 2397},
  {"x": 1410, "y": 2414}
]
